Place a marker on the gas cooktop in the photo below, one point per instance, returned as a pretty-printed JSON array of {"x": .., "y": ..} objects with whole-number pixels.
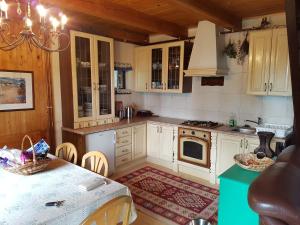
[{"x": 204, "y": 124}]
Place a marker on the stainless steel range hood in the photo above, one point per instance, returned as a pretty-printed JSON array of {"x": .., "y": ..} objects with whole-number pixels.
[{"x": 207, "y": 55}]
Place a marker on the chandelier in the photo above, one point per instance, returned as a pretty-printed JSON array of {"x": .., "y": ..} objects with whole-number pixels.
[{"x": 47, "y": 33}]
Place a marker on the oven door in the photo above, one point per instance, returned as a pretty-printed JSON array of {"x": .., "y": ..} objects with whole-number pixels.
[{"x": 194, "y": 150}]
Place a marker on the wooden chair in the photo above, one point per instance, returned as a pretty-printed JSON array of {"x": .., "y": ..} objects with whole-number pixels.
[
  {"x": 97, "y": 162},
  {"x": 111, "y": 213},
  {"x": 67, "y": 151}
]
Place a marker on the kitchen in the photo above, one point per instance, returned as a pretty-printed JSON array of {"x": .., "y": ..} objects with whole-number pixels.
[
  {"x": 162, "y": 140},
  {"x": 200, "y": 98}
]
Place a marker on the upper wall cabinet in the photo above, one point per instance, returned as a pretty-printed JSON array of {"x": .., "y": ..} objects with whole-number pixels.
[
  {"x": 159, "y": 68},
  {"x": 269, "y": 68},
  {"x": 86, "y": 81}
]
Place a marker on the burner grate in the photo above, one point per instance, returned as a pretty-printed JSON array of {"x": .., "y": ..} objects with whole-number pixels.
[{"x": 199, "y": 123}]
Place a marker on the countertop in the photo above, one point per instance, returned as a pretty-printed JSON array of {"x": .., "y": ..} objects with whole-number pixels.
[{"x": 166, "y": 120}]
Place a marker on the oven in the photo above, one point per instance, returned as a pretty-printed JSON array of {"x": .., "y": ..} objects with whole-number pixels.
[{"x": 194, "y": 147}]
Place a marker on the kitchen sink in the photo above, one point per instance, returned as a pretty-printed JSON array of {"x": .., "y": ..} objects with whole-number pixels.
[{"x": 244, "y": 130}]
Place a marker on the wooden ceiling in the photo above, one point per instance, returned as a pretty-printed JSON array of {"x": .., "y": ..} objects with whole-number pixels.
[{"x": 135, "y": 20}]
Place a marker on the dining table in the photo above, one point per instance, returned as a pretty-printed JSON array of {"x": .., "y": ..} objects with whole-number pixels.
[{"x": 23, "y": 198}]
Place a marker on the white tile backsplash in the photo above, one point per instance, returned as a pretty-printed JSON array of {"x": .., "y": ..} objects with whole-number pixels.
[{"x": 218, "y": 103}]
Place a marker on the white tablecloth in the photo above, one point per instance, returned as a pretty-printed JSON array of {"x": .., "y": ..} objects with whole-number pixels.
[{"x": 23, "y": 198}]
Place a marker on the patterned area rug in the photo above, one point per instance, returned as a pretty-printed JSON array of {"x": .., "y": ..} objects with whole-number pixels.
[{"x": 171, "y": 198}]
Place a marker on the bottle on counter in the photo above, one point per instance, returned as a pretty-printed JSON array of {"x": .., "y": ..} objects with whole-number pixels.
[{"x": 232, "y": 120}]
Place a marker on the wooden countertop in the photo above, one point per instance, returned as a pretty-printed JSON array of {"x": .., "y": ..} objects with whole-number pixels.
[{"x": 166, "y": 120}]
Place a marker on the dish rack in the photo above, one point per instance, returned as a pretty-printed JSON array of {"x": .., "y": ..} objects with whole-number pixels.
[{"x": 280, "y": 131}]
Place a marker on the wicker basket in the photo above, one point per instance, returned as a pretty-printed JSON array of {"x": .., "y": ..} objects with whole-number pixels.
[
  {"x": 29, "y": 168},
  {"x": 249, "y": 161}
]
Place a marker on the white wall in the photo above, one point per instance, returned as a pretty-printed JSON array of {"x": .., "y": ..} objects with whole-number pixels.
[{"x": 218, "y": 103}]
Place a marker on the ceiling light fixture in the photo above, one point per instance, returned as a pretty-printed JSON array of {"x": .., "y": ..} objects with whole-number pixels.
[{"x": 51, "y": 35}]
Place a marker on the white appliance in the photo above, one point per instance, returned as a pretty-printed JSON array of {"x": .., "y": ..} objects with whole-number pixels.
[
  {"x": 104, "y": 142},
  {"x": 207, "y": 57}
]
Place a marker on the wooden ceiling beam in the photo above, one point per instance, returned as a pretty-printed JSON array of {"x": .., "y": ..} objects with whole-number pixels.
[
  {"x": 211, "y": 12},
  {"x": 110, "y": 31},
  {"x": 106, "y": 10}
]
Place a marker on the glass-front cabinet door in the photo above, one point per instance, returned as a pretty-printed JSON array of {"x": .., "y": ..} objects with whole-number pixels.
[
  {"x": 174, "y": 67},
  {"x": 156, "y": 78},
  {"x": 104, "y": 77},
  {"x": 82, "y": 70}
]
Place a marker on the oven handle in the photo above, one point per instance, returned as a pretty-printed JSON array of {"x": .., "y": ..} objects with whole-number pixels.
[{"x": 192, "y": 138}]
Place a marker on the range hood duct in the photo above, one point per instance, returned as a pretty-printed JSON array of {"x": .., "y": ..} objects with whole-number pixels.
[{"x": 207, "y": 57}]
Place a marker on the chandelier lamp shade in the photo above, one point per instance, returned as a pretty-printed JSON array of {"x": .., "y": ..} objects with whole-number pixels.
[{"x": 45, "y": 30}]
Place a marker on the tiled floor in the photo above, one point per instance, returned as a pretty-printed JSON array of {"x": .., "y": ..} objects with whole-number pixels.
[{"x": 144, "y": 219}]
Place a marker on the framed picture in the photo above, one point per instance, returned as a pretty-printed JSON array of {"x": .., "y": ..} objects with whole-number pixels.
[{"x": 16, "y": 90}]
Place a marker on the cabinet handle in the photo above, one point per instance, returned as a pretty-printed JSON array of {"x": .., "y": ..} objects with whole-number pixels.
[
  {"x": 271, "y": 87},
  {"x": 247, "y": 144},
  {"x": 146, "y": 86},
  {"x": 165, "y": 86},
  {"x": 157, "y": 129},
  {"x": 241, "y": 145},
  {"x": 160, "y": 129},
  {"x": 266, "y": 87}
]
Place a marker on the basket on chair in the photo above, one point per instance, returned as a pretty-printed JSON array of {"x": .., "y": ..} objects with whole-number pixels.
[{"x": 31, "y": 167}]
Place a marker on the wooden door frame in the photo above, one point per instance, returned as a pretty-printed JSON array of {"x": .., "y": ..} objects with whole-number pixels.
[{"x": 51, "y": 118}]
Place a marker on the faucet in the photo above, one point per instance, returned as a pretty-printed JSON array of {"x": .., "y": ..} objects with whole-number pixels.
[{"x": 258, "y": 122}]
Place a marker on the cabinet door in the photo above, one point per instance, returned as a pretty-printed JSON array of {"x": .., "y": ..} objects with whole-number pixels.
[
  {"x": 142, "y": 68},
  {"x": 251, "y": 144},
  {"x": 166, "y": 147},
  {"x": 228, "y": 146},
  {"x": 82, "y": 76},
  {"x": 153, "y": 140},
  {"x": 104, "y": 77},
  {"x": 280, "y": 77},
  {"x": 174, "y": 74},
  {"x": 259, "y": 62},
  {"x": 139, "y": 141},
  {"x": 157, "y": 63}
]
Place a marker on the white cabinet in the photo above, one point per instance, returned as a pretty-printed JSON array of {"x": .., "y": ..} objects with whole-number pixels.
[
  {"x": 123, "y": 146},
  {"x": 161, "y": 142},
  {"x": 131, "y": 144},
  {"x": 250, "y": 144},
  {"x": 269, "y": 68},
  {"x": 153, "y": 140},
  {"x": 280, "y": 76},
  {"x": 139, "y": 141},
  {"x": 230, "y": 145},
  {"x": 227, "y": 147},
  {"x": 86, "y": 72},
  {"x": 142, "y": 68},
  {"x": 159, "y": 68},
  {"x": 167, "y": 139}
]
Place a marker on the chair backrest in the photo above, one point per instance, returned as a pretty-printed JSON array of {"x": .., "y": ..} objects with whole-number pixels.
[
  {"x": 97, "y": 162},
  {"x": 111, "y": 213},
  {"x": 67, "y": 151}
]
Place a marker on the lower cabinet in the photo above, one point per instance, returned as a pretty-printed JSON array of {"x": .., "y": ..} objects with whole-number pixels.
[
  {"x": 161, "y": 141},
  {"x": 139, "y": 141},
  {"x": 230, "y": 145},
  {"x": 131, "y": 144},
  {"x": 227, "y": 147}
]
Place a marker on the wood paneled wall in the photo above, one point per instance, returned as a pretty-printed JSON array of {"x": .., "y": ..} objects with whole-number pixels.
[{"x": 37, "y": 122}]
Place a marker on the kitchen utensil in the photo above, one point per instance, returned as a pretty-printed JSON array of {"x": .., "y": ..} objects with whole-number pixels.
[
  {"x": 199, "y": 221},
  {"x": 129, "y": 112},
  {"x": 57, "y": 203},
  {"x": 144, "y": 113},
  {"x": 121, "y": 114}
]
